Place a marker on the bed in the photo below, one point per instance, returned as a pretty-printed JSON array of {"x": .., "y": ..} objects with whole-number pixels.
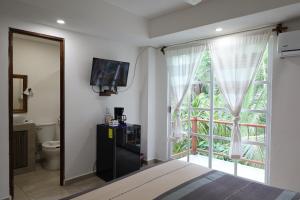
[{"x": 186, "y": 181}]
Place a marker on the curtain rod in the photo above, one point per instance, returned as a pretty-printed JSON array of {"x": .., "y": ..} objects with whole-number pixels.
[{"x": 275, "y": 28}]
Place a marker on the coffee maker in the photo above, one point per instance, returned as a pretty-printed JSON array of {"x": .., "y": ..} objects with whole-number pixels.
[{"x": 118, "y": 111}]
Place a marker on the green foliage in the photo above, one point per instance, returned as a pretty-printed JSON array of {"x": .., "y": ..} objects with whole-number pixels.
[{"x": 181, "y": 145}]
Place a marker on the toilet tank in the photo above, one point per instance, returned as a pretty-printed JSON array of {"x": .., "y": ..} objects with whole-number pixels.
[{"x": 46, "y": 132}]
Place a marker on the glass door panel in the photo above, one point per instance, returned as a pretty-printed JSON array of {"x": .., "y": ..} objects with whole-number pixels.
[
  {"x": 252, "y": 165},
  {"x": 207, "y": 124}
]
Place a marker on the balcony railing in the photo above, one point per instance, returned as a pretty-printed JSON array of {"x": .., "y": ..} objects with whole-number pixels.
[{"x": 251, "y": 139}]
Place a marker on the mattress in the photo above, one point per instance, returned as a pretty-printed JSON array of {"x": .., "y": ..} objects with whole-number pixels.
[{"x": 181, "y": 180}]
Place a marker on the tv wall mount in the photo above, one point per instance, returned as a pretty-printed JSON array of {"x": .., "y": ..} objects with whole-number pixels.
[{"x": 108, "y": 91}]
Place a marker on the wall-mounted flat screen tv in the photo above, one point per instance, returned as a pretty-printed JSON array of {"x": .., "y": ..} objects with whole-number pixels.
[{"x": 110, "y": 73}]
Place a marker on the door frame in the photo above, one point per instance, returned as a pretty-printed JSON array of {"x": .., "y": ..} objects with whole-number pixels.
[{"x": 62, "y": 100}]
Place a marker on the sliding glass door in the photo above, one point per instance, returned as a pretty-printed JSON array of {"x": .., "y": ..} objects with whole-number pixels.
[{"x": 204, "y": 112}]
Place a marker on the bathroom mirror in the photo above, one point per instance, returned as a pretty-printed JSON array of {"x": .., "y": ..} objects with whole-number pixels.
[{"x": 19, "y": 98}]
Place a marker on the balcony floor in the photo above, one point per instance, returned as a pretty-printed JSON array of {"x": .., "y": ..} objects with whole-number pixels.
[{"x": 248, "y": 172}]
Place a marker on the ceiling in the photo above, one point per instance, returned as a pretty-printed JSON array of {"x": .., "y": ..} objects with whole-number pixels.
[
  {"x": 142, "y": 8},
  {"x": 150, "y": 8},
  {"x": 257, "y": 20},
  {"x": 108, "y": 21},
  {"x": 93, "y": 17}
]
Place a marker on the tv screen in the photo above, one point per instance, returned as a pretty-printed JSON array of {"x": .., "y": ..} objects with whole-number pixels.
[{"x": 109, "y": 73}]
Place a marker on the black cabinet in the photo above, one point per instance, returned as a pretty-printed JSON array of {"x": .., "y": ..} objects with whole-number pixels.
[{"x": 118, "y": 150}]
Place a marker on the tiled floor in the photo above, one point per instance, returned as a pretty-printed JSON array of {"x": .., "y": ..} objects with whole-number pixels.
[{"x": 44, "y": 185}]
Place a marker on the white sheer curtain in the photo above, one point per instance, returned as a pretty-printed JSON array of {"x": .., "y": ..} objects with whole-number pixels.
[
  {"x": 181, "y": 63},
  {"x": 235, "y": 59}
]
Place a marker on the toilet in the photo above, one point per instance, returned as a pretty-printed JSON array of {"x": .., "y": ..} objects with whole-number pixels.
[
  {"x": 51, "y": 151},
  {"x": 48, "y": 138}
]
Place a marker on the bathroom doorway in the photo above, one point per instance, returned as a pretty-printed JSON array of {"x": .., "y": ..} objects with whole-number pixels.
[{"x": 36, "y": 106}]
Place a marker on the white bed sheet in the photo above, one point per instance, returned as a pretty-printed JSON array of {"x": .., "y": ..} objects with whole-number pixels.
[{"x": 149, "y": 183}]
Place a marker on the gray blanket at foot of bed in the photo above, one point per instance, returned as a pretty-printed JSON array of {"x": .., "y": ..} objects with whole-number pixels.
[{"x": 216, "y": 185}]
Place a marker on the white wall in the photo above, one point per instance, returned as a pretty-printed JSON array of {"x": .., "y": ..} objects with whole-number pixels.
[
  {"x": 152, "y": 107},
  {"x": 40, "y": 61},
  {"x": 144, "y": 103},
  {"x": 4, "y": 170},
  {"x": 161, "y": 114},
  {"x": 154, "y": 110},
  {"x": 148, "y": 95},
  {"x": 84, "y": 109},
  {"x": 285, "y": 137}
]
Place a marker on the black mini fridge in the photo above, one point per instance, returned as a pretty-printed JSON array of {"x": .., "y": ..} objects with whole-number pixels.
[{"x": 118, "y": 150}]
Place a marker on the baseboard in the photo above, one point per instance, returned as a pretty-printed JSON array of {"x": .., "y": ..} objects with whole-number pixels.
[
  {"x": 91, "y": 174},
  {"x": 79, "y": 178},
  {"x": 151, "y": 162},
  {"x": 6, "y": 198}
]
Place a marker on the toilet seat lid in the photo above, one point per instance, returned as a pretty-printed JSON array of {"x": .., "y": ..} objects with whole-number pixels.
[{"x": 51, "y": 144}]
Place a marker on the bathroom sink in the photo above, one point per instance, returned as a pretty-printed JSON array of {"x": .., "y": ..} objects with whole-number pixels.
[{"x": 19, "y": 119}]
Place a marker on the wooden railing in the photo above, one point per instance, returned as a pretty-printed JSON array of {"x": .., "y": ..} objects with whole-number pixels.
[
  {"x": 197, "y": 119},
  {"x": 194, "y": 121},
  {"x": 195, "y": 136}
]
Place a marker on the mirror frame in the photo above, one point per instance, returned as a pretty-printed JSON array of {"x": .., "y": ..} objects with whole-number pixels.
[{"x": 25, "y": 80}]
